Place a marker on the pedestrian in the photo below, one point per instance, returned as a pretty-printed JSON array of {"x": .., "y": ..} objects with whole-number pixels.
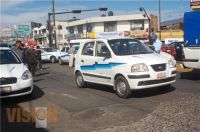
[
  {"x": 157, "y": 45},
  {"x": 39, "y": 57},
  {"x": 20, "y": 51},
  {"x": 31, "y": 56}
]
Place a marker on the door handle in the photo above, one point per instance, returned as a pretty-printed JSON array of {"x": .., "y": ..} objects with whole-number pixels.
[
  {"x": 96, "y": 62},
  {"x": 82, "y": 60}
]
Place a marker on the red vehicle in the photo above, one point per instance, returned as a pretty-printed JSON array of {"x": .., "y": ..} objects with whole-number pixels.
[
  {"x": 169, "y": 49},
  {"x": 175, "y": 49}
]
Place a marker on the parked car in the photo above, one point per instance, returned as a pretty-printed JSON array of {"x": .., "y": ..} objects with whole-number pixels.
[
  {"x": 64, "y": 56},
  {"x": 175, "y": 49},
  {"x": 126, "y": 64},
  {"x": 50, "y": 54},
  {"x": 15, "y": 78},
  {"x": 5, "y": 45},
  {"x": 178, "y": 49},
  {"x": 72, "y": 56}
]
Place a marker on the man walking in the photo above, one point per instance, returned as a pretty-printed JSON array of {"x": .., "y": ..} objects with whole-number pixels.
[
  {"x": 39, "y": 58},
  {"x": 19, "y": 51},
  {"x": 31, "y": 56}
]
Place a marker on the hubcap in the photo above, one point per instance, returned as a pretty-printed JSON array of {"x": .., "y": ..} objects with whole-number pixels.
[
  {"x": 79, "y": 80},
  {"x": 121, "y": 87}
]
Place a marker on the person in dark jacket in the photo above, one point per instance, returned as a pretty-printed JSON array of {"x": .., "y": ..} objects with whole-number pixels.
[
  {"x": 39, "y": 58},
  {"x": 31, "y": 56},
  {"x": 19, "y": 51}
]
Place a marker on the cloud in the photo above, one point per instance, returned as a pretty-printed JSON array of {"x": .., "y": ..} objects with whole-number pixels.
[
  {"x": 24, "y": 18},
  {"x": 6, "y": 4}
]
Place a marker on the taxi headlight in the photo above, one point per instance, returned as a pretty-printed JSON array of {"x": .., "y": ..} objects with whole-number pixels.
[
  {"x": 139, "y": 68},
  {"x": 171, "y": 63},
  {"x": 26, "y": 75}
]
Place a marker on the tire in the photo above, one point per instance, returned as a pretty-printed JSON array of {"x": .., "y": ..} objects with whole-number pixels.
[
  {"x": 53, "y": 59},
  {"x": 79, "y": 80},
  {"x": 122, "y": 87},
  {"x": 60, "y": 61}
]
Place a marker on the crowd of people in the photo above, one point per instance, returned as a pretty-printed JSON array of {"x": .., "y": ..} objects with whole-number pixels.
[{"x": 30, "y": 55}]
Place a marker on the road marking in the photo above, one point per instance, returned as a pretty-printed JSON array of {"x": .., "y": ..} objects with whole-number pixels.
[{"x": 70, "y": 96}]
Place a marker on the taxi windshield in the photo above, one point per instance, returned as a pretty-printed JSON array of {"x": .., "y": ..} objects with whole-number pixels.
[{"x": 128, "y": 47}]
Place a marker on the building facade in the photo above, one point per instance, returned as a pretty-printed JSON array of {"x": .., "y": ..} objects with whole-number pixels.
[{"x": 135, "y": 25}]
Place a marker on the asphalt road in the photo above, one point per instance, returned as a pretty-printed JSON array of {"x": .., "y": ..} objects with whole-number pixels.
[{"x": 97, "y": 108}]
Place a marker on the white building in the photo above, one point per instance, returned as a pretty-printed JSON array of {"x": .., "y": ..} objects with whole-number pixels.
[
  {"x": 135, "y": 25},
  {"x": 7, "y": 32},
  {"x": 40, "y": 34}
]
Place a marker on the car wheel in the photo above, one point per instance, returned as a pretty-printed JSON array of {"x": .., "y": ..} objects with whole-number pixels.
[
  {"x": 53, "y": 59},
  {"x": 79, "y": 80},
  {"x": 122, "y": 87},
  {"x": 60, "y": 61}
]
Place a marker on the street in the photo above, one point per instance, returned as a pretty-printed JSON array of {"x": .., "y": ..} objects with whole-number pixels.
[{"x": 98, "y": 108}]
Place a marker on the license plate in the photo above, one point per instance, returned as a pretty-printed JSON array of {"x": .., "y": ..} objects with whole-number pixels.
[
  {"x": 6, "y": 89},
  {"x": 161, "y": 75}
]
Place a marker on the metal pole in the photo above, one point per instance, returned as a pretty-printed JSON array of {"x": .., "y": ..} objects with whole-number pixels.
[
  {"x": 149, "y": 30},
  {"x": 54, "y": 22},
  {"x": 50, "y": 29},
  {"x": 149, "y": 24},
  {"x": 159, "y": 20}
]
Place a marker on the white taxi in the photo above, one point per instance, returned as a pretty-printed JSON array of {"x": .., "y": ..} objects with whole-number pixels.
[
  {"x": 124, "y": 63},
  {"x": 15, "y": 78}
]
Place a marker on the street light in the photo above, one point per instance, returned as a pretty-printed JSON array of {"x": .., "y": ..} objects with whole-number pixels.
[
  {"x": 65, "y": 12},
  {"x": 146, "y": 15}
]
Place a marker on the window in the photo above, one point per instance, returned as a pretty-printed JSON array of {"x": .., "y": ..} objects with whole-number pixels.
[
  {"x": 63, "y": 49},
  {"x": 80, "y": 28},
  {"x": 8, "y": 57},
  {"x": 137, "y": 25},
  {"x": 71, "y": 30},
  {"x": 88, "y": 49},
  {"x": 110, "y": 26},
  {"x": 59, "y": 27},
  {"x": 128, "y": 47},
  {"x": 89, "y": 27},
  {"x": 101, "y": 49}
]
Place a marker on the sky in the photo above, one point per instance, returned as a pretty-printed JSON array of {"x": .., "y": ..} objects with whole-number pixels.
[{"x": 16, "y": 12}]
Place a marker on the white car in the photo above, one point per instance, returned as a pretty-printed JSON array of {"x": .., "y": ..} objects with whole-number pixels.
[
  {"x": 49, "y": 54},
  {"x": 15, "y": 78},
  {"x": 124, "y": 63},
  {"x": 64, "y": 56}
]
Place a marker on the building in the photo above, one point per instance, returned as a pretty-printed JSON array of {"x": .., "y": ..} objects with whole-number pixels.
[
  {"x": 176, "y": 24},
  {"x": 7, "y": 33},
  {"x": 172, "y": 29},
  {"x": 135, "y": 25},
  {"x": 40, "y": 34}
]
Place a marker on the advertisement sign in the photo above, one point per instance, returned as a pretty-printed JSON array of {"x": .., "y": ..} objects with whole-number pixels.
[
  {"x": 195, "y": 4},
  {"x": 109, "y": 34}
]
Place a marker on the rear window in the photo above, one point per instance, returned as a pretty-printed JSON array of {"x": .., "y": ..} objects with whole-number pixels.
[{"x": 8, "y": 57}]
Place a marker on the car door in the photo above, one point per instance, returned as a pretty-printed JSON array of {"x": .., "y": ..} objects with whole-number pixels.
[
  {"x": 63, "y": 53},
  {"x": 87, "y": 61},
  {"x": 44, "y": 55},
  {"x": 102, "y": 63}
]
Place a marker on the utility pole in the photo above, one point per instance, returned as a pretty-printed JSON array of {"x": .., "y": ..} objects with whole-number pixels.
[
  {"x": 54, "y": 22},
  {"x": 159, "y": 20}
]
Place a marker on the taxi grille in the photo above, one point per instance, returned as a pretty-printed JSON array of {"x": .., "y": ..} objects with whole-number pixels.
[
  {"x": 151, "y": 82},
  {"x": 7, "y": 80},
  {"x": 159, "y": 67}
]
